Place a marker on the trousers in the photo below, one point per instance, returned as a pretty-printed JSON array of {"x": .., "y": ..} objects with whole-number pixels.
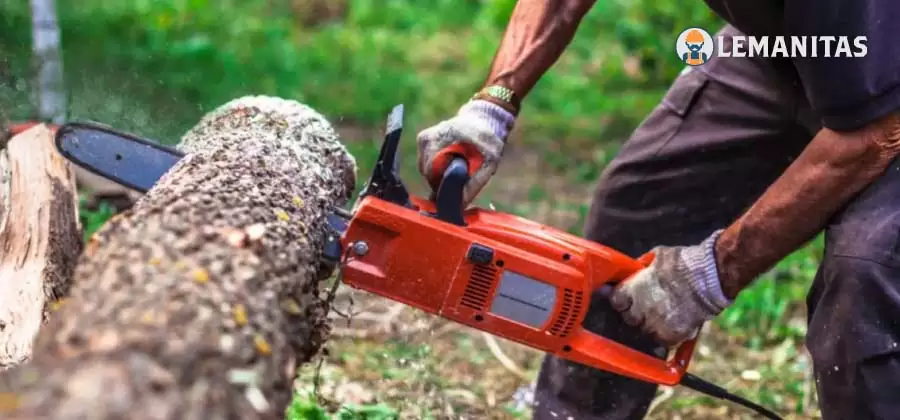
[{"x": 722, "y": 133}]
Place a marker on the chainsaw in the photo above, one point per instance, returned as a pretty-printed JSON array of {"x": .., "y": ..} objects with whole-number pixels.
[{"x": 498, "y": 273}]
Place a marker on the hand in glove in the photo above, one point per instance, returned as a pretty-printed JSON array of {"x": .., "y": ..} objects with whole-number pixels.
[
  {"x": 480, "y": 126},
  {"x": 675, "y": 294}
]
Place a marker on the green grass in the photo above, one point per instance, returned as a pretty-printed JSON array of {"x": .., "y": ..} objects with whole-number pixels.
[
  {"x": 306, "y": 407},
  {"x": 93, "y": 219},
  {"x": 766, "y": 313}
]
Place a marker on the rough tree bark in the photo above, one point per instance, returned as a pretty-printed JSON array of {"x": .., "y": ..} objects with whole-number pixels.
[
  {"x": 40, "y": 237},
  {"x": 201, "y": 300}
]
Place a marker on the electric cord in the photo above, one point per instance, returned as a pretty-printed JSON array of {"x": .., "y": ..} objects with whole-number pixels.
[{"x": 701, "y": 385}]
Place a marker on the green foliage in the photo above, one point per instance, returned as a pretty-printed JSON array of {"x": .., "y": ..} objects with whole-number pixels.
[
  {"x": 762, "y": 313},
  {"x": 305, "y": 407},
  {"x": 93, "y": 219},
  {"x": 185, "y": 57}
]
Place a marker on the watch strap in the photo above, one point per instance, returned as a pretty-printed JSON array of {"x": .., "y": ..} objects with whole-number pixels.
[{"x": 500, "y": 95}]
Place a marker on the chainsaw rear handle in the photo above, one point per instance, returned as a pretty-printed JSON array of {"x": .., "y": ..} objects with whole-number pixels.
[
  {"x": 588, "y": 347},
  {"x": 442, "y": 159}
]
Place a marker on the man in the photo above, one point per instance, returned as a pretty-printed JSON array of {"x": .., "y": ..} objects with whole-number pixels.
[
  {"x": 694, "y": 56},
  {"x": 742, "y": 162}
]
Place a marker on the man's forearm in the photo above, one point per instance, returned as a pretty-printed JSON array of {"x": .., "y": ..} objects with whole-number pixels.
[
  {"x": 833, "y": 168},
  {"x": 536, "y": 36}
]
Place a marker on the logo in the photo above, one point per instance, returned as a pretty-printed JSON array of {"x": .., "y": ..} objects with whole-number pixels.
[{"x": 694, "y": 46}]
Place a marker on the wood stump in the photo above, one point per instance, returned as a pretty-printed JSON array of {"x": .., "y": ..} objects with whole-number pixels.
[
  {"x": 40, "y": 237},
  {"x": 201, "y": 300}
]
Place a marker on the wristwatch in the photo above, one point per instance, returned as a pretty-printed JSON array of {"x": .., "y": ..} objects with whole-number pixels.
[{"x": 500, "y": 95}]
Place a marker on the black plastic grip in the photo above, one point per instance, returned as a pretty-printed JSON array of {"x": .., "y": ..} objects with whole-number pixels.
[{"x": 449, "y": 199}]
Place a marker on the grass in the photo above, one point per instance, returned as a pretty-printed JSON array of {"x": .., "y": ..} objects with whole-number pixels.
[{"x": 145, "y": 66}]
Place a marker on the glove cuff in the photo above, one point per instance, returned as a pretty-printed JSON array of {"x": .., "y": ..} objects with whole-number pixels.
[
  {"x": 498, "y": 119},
  {"x": 700, "y": 261}
]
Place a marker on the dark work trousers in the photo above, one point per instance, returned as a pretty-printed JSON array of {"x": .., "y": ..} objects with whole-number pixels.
[{"x": 720, "y": 136}]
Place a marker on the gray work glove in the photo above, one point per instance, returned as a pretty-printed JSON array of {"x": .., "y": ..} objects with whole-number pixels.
[
  {"x": 480, "y": 124},
  {"x": 675, "y": 294}
]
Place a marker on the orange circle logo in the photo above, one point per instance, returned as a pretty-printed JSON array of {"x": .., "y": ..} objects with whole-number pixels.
[{"x": 694, "y": 46}]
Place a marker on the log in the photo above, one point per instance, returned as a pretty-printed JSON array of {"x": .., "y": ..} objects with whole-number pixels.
[
  {"x": 202, "y": 300},
  {"x": 40, "y": 237}
]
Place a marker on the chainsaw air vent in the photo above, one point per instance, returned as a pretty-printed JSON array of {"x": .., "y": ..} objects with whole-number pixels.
[
  {"x": 479, "y": 288},
  {"x": 571, "y": 307}
]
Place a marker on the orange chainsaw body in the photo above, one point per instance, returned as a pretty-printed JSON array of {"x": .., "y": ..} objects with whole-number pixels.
[{"x": 502, "y": 274}]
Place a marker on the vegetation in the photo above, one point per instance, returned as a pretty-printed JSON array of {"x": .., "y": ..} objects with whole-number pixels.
[{"x": 154, "y": 67}]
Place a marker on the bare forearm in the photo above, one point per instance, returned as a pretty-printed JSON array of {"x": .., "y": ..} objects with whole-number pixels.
[
  {"x": 833, "y": 168},
  {"x": 536, "y": 36}
]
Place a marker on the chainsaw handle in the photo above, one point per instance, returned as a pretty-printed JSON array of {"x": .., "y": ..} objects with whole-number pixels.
[
  {"x": 587, "y": 346},
  {"x": 449, "y": 198},
  {"x": 442, "y": 160},
  {"x": 597, "y": 351},
  {"x": 607, "y": 288}
]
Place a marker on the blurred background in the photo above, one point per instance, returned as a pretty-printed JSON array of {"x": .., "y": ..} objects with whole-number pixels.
[{"x": 155, "y": 67}]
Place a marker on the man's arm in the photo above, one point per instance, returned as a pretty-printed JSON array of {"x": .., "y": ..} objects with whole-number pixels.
[
  {"x": 686, "y": 286},
  {"x": 536, "y": 36},
  {"x": 833, "y": 168},
  {"x": 859, "y": 102}
]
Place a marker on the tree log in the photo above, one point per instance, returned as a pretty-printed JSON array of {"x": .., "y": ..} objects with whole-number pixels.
[
  {"x": 40, "y": 237},
  {"x": 201, "y": 300}
]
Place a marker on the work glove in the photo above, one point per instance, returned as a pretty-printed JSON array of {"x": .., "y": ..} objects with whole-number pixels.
[
  {"x": 673, "y": 296},
  {"x": 481, "y": 127}
]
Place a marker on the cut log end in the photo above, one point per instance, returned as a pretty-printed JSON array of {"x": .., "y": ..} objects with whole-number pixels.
[
  {"x": 201, "y": 300},
  {"x": 40, "y": 238}
]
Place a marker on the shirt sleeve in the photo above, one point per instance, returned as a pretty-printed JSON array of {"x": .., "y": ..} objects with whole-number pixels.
[{"x": 849, "y": 92}]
